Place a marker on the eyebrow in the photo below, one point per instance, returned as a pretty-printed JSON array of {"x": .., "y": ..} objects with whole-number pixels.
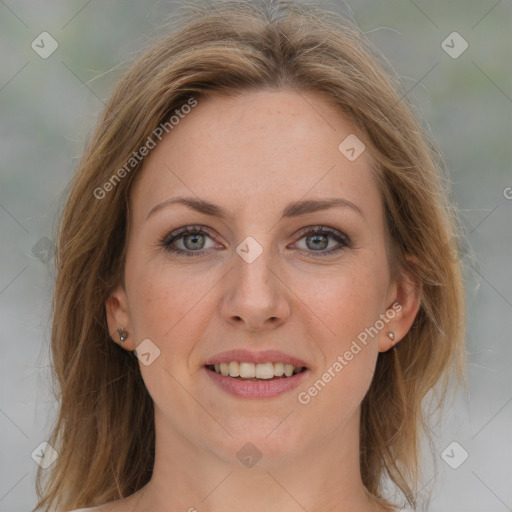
[{"x": 293, "y": 209}]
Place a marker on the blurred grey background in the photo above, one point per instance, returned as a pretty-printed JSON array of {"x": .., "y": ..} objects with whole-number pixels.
[{"x": 49, "y": 103}]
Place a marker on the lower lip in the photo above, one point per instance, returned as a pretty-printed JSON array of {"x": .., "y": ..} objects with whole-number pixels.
[{"x": 261, "y": 389}]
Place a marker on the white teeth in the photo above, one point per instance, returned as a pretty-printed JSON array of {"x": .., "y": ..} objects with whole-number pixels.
[
  {"x": 264, "y": 371},
  {"x": 224, "y": 369},
  {"x": 259, "y": 371},
  {"x": 278, "y": 369},
  {"x": 247, "y": 370},
  {"x": 234, "y": 369}
]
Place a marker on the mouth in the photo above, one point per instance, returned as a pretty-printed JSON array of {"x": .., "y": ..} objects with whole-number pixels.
[
  {"x": 256, "y": 375},
  {"x": 255, "y": 372}
]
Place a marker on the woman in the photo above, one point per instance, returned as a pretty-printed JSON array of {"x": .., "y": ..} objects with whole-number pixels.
[{"x": 256, "y": 284}]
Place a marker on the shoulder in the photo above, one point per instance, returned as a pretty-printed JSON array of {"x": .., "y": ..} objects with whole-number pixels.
[
  {"x": 90, "y": 509},
  {"x": 121, "y": 505},
  {"x": 113, "y": 506}
]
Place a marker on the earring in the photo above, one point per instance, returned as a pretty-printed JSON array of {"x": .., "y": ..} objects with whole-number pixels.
[
  {"x": 391, "y": 335},
  {"x": 122, "y": 334}
]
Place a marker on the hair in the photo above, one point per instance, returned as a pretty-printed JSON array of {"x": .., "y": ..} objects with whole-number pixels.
[{"x": 104, "y": 432}]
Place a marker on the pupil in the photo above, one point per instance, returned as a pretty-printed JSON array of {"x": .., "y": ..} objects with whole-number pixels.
[
  {"x": 322, "y": 245},
  {"x": 194, "y": 237}
]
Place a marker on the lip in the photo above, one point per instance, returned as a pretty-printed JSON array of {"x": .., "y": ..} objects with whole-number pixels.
[
  {"x": 255, "y": 390},
  {"x": 263, "y": 356}
]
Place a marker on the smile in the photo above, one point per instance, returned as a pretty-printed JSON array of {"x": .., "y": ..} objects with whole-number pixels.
[{"x": 255, "y": 372}]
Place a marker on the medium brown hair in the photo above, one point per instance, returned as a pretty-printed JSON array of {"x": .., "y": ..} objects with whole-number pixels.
[{"x": 104, "y": 432}]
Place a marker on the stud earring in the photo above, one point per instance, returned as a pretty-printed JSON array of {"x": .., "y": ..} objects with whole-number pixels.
[
  {"x": 122, "y": 334},
  {"x": 391, "y": 335}
]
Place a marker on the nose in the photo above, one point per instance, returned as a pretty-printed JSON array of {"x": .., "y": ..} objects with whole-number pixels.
[{"x": 255, "y": 295}]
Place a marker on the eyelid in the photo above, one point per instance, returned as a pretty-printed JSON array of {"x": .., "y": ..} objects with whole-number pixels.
[
  {"x": 322, "y": 229},
  {"x": 180, "y": 233},
  {"x": 343, "y": 241}
]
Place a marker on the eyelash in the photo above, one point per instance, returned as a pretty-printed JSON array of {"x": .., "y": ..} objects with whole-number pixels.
[{"x": 342, "y": 239}]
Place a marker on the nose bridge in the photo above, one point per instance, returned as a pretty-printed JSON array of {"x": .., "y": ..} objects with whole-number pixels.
[
  {"x": 255, "y": 294},
  {"x": 252, "y": 267}
]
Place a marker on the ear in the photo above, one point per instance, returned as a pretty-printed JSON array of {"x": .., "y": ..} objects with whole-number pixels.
[
  {"x": 404, "y": 300},
  {"x": 118, "y": 317}
]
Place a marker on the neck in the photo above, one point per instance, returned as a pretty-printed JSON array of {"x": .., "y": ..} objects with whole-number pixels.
[{"x": 323, "y": 477}]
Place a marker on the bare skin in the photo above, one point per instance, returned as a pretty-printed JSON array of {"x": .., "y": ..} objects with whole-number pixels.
[{"x": 252, "y": 155}]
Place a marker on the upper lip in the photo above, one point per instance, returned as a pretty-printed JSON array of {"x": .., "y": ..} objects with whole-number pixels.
[{"x": 261, "y": 356}]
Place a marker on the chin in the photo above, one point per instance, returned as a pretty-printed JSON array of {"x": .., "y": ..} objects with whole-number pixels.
[{"x": 260, "y": 444}]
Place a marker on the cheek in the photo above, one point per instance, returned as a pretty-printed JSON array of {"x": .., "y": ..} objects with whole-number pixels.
[
  {"x": 167, "y": 309},
  {"x": 163, "y": 298},
  {"x": 347, "y": 301},
  {"x": 172, "y": 308},
  {"x": 349, "y": 304}
]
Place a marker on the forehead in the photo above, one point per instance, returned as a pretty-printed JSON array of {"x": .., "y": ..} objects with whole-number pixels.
[{"x": 255, "y": 148}]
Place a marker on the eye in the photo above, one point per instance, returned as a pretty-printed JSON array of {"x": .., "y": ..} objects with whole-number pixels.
[
  {"x": 190, "y": 241},
  {"x": 317, "y": 241}
]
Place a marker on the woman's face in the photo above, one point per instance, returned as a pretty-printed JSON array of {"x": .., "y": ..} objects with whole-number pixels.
[{"x": 255, "y": 279}]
